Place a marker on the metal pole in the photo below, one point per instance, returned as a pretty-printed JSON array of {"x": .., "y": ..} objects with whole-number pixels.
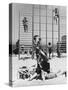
[
  {"x": 19, "y": 35},
  {"x": 46, "y": 28},
  {"x": 39, "y": 21},
  {"x": 58, "y": 29},
  {"x": 59, "y": 34},
  {"x": 32, "y": 28},
  {"x": 52, "y": 33}
]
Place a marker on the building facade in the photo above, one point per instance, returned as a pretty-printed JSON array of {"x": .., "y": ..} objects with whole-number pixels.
[{"x": 40, "y": 20}]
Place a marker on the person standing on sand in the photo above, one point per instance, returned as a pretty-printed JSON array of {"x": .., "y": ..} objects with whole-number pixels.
[{"x": 49, "y": 49}]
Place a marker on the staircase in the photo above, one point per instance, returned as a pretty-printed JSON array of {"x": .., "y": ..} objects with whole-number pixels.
[{"x": 25, "y": 40}]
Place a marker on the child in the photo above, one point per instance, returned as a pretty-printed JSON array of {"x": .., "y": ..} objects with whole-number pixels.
[{"x": 49, "y": 49}]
